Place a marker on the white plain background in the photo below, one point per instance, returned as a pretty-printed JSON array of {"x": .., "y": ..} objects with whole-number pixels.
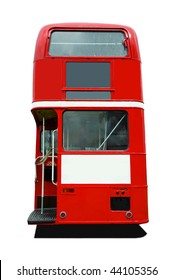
[{"x": 20, "y": 22}]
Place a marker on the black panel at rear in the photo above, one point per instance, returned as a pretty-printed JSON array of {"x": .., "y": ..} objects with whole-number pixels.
[
  {"x": 49, "y": 202},
  {"x": 120, "y": 203}
]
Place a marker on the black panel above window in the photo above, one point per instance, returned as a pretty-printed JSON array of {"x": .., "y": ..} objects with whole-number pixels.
[{"x": 88, "y": 74}]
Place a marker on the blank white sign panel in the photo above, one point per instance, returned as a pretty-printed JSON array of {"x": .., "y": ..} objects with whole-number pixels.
[{"x": 95, "y": 169}]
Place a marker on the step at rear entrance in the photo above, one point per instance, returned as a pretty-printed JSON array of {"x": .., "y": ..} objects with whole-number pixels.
[{"x": 48, "y": 216}]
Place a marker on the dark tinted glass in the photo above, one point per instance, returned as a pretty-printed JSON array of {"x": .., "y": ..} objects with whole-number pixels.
[
  {"x": 88, "y": 74},
  {"x": 88, "y": 95},
  {"x": 48, "y": 141},
  {"x": 95, "y": 130}
]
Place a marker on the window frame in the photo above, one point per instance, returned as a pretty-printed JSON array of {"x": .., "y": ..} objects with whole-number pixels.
[
  {"x": 126, "y": 40},
  {"x": 99, "y": 150}
]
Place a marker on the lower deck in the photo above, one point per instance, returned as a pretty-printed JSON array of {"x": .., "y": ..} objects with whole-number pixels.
[{"x": 90, "y": 166}]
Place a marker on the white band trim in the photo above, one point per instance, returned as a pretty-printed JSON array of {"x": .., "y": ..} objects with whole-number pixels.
[{"x": 66, "y": 104}]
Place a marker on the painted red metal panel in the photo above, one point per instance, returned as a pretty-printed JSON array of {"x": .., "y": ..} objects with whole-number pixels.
[
  {"x": 42, "y": 40},
  {"x": 49, "y": 79},
  {"x": 91, "y": 203},
  {"x": 49, "y": 72}
]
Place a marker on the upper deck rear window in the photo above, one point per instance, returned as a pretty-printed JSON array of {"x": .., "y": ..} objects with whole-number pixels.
[{"x": 87, "y": 43}]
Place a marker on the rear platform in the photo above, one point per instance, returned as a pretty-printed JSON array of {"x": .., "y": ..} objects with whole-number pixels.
[{"x": 48, "y": 216}]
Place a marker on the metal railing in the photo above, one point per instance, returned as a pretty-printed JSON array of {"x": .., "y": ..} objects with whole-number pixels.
[
  {"x": 53, "y": 157},
  {"x": 42, "y": 160}
]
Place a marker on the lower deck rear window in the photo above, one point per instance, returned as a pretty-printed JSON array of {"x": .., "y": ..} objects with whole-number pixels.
[{"x": 95, "y": 130}]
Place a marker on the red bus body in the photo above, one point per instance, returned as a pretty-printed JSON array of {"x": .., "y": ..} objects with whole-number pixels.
[{"x": 89, "y": 184}]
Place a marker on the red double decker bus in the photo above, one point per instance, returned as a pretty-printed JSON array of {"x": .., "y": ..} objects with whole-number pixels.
[{"x": 90, "y": 141}]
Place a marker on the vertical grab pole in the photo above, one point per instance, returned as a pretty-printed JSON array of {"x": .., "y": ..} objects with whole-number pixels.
[
  {"x": 53, "y": 156},
  {"x": 42, "y": 183},
  {"x": 106, "y": 128}
]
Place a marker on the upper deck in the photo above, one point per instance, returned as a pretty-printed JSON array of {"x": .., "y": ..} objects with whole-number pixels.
[{"x": 82, "y": 61}]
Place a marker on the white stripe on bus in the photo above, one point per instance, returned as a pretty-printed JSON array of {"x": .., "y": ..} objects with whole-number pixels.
[{"x": 51, "y": 104}]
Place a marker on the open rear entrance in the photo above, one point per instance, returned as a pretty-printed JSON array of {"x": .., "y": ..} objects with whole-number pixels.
[{"x": 45, "y": 167}]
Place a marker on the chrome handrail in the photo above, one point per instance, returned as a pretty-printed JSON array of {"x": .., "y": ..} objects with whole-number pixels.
[
  {"x": 41, "y": 157},
  {"x": 110, "y": 133},
  {"x": 53, "y": 157},
  {"x": 42, "y": 182},
  {"x": 42, "y": 160}
]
